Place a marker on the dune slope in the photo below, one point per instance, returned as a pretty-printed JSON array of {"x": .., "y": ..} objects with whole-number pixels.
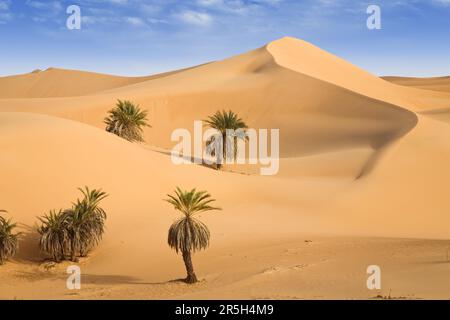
[{"x": 435, "y": 84}]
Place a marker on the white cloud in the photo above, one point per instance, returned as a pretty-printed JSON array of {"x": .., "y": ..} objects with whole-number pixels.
[
  {"x": 195, "y": 18},
  {"x": 207, "y": 3},
  {"x": 156, "y": 21},
  {"x": 118, "y": 1},
  {"x": 39, "y": 19},
  {"x": 88, "y": 20},
  {"x": 239, "y": 7},
  {"x": 52, "y": 6},
  {"x": 4, "y": 4},
  {"x": 135, "y": 21},
  {"x": 150, "y": 8},
  {"x": 5, "y": 17},
  {"x": 444, "y": 2}
]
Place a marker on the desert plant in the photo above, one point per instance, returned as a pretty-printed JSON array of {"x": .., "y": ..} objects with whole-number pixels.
[
  {"x": 223, "y": 121},
  {"x": 73, "y": 232},
  {"x": 54, "y": 239},
  {"x": 8, "y": 241},
  {"x": 188, "y": 234},
  {"x": 127, "y": 120},
  {"x": 86, "y": 222}
]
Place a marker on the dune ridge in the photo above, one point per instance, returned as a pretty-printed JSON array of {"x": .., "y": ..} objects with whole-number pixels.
[
  {"x": 56, "y": 82},
  {"x": 434, "y": 83}
]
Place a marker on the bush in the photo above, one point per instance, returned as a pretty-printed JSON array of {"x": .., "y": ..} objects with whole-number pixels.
[
  {"x": 127, "y": 121},
  {"x": 8, "y": 241},
  {"x": 75, "y": 231}
]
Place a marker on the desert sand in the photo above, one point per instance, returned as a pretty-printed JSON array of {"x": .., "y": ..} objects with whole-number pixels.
[
  {"x": 363, "y": 180},
  {"x": 435, "y": 84}
]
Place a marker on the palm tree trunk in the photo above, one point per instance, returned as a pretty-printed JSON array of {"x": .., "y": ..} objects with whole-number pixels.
[
  {"x": 73, "y": 254},
  {"x": 221, "y": 158},
  {"x": 191, "y": 277}
]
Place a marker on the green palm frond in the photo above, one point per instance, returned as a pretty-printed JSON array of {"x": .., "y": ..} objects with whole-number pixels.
[
  {"x": 127, "y": 120},
  {"x": 188, "y": 233},
  {"x": 55, "y": 239},
  {"x": 86, "y": 221},
  {"x": 191, "y": 202},
  {"x": 74, "y": 231},
  {"x": 8, "y": 240},
  {"x": 223, "y": 121}
]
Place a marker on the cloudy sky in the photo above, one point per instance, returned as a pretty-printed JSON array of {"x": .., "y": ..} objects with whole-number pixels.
[{"x": 140, "y": 37}]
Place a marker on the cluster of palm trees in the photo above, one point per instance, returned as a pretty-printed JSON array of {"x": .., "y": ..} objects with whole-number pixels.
[
  {"x": 72, "y": 233},
  {"x": 69, "y": 233}
]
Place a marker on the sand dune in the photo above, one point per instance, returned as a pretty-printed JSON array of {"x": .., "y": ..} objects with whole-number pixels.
[
  {"x": 251, "y": 84},
  {"x": 435, "y": 84},
  {"x": 360, "y": 157},
  {"x": 55, "y": 82}
]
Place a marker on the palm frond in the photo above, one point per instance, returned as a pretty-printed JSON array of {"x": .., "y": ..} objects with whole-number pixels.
[
  {"x": 223, "y": 121},
  {"x": 9, "y": 243},
  {"x": 55, "y": 239},
  {"x": 127, "y": 120},
  {"x": 74, "y": 231},
  {"x": 187, "y": 233}
]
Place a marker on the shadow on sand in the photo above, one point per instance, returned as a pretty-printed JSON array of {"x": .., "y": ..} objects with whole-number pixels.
[
  {"x": 29, "y": 245},
  {"x": 118, "y": 279}
]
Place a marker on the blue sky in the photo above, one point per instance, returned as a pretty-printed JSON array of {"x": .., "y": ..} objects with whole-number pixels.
[{"x": 140, "y": 37}]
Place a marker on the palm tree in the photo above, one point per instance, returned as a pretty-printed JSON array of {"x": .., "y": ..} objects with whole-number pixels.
[
  {"x": 8, "y": 241},
  {"x": 54, "y": 233},
  {"x": 75, "y": 231},
  {"x": 127, "y": 121},
  {"x": 188, "y": 234},
  {"x": 86, "y": 222},
  {"x": 223, "y": 121}
]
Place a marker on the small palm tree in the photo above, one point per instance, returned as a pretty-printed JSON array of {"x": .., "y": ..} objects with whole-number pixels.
[
  {"x": 54, "y": 233},
  {"x": 75, "y": 231},
  {"x": 8, "y": 241},
  {"x": 86, "y": 222},
  {"x": 188, "y": 234},
  {"x": 127, "y": 121},
  {"x": 223, "y": 121}
]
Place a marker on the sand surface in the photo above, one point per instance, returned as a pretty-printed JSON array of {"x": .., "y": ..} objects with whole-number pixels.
[
  {"x": 363, "y": 174},
  {"x": 435, "y": 84}
]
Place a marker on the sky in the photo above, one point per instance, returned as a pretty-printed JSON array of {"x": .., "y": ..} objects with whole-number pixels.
[{"x": 141, "y": 37}]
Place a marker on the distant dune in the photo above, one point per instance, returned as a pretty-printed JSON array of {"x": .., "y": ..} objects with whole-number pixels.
[
  {"x": 360, "y": 157},
  {"x": 435, "y": 84},
  {"x": 55, "y": 82}
]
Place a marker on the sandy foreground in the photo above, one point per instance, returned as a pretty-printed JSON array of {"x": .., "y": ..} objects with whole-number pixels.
[
  {"x": 315, "y": 268},
  {"x": 363, "y": 180}
]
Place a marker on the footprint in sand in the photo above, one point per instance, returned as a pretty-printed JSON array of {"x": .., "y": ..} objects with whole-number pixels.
[{"x": 279, "y": 269}]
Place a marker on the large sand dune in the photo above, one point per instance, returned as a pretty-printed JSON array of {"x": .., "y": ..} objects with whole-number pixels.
[{"x": 357, "y": 161}]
